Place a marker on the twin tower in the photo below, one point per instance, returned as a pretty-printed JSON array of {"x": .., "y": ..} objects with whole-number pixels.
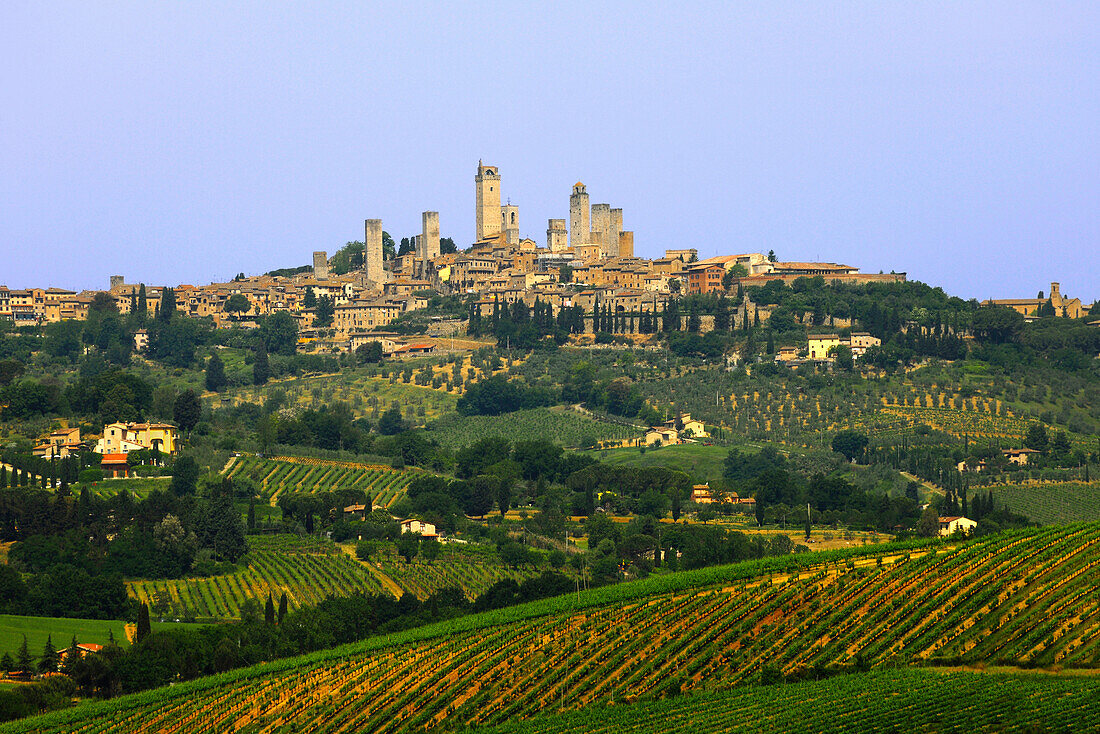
[
  {"x": 593, "y": 231},
  {"x": 427, "y": 245}
]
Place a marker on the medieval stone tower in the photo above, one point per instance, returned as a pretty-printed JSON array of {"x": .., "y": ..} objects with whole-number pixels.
[
  {"x": 557, "y": 236},
  {"x": 320, "y": 264},
  {"x": 509, "y": 222},
  {"x": 487, "y": 208},
  {"x": 429, "y": 236},
  {"x": 601, "y": 230},
  {"x": 578, "y": 216},
  {"x": 372, "y": 251}
]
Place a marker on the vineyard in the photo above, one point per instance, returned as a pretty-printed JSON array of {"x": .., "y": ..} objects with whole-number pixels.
[
  {"x": 1055, "y": 502},
  {"x": 471, "y": 572},
  {"x": 886, "y": 701},
  {"x": 1019, "y": 598},
  {"x": 306, "y": 570},
  {"x": 382, "y": 484},
  {"x": 560, "y": 426}
]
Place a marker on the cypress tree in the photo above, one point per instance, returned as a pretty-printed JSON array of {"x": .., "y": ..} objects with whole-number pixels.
[
  {"x": 23, "y": 658},
  {"x": 167, "y": 308},
  {"x": 50, "y": 659},
  {"x": 142, "y": 302},
  {"x": 72, "y": 656},
  {"x": 215, "y": 374},
  {"x": 261, "y": 368},
  {"x": 3, "y": 476},
  {"x": 269, "y": 611},
  {"x": 282, "y": 607},
  {"x": 144, "y": 627}
]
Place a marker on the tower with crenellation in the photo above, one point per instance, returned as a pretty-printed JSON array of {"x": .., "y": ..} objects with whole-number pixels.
[
  {"x": 487, "y": 212},
  {"x": 578, "y": 216}
]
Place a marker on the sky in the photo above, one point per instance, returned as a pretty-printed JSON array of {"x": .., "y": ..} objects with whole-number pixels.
[{"x": 178, "y": 142}]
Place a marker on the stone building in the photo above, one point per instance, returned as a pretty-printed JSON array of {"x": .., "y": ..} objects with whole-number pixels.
[
  {"x": 579, "y": 216},
  {"x": 1069, "y": 308},
  {"x": 372, "y": 252},
  {"x": 320, "y": 265},
  {"x": 487, "y": 207}
]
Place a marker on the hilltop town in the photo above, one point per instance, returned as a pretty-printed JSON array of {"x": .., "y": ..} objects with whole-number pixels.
[{"x": 587, "y": 262}]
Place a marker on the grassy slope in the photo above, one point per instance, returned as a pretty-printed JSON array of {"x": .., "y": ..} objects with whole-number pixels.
[
  {"x": 707, "y": 629},
  {"x": 881, "y": 701},
  {"x": 702, "y": 462},
  {"x": 13, "y": 627}
]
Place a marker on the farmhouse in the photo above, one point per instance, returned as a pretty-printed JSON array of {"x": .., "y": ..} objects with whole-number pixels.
[
  {"x": 356, "y": 511},
  {"x": 951, "y": 525},
  {"x": 700, "y": 494},
  {"x": 820, "y": 345},
  {"x": 424, "y": 529},
  {"x": 689, "y": 427},
  {"x": 662, "y": 436},
  {"x": 60, "y": 444},
  {"x": 122, "y": 438},
  {"x": 1018, "y": 456}
]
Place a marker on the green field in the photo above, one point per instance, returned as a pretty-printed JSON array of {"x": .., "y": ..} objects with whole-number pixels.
[
  {"x": 564, "y": 427},
  {"x": 704, "y": 463},
  {"x": 1021, "y": 598},
  {"x": 884, "y": 701},
  {"x": 13, "y": 627},
  {"x": 1051, "y": 503}
]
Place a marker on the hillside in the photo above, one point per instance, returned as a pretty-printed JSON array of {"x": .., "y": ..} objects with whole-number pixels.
[
  {"x": 881, "y": 701},
  {"x": 1019, "y": 598},
  {"x": 273, "y": 477}
]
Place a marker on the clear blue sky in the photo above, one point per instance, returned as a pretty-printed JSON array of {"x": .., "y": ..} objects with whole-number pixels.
[{"x": 186, "y": 142}]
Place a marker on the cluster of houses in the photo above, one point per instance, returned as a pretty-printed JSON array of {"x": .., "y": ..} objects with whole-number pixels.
[
  {"x": 1019, "y": 457},
  {"x": 117, "y": 442},
  {"x": 821, "y": 348},
  {"x": 675, "y": 431}
]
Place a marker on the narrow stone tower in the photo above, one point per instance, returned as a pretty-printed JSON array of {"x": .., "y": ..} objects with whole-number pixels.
[
  {"x": 509, "y": 223},
  {"x": 557, "y": 236},
  {"x": 578, "y": 216},
  {"x": 487, "y": 206},
  {"x": 320, "y": 264},
  {"x": 372, "y": 251},
  {"x": 429, "y": 236}
]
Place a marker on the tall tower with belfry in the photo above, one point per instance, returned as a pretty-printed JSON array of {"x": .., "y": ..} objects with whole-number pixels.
[{"x": 487, "y": 215}]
